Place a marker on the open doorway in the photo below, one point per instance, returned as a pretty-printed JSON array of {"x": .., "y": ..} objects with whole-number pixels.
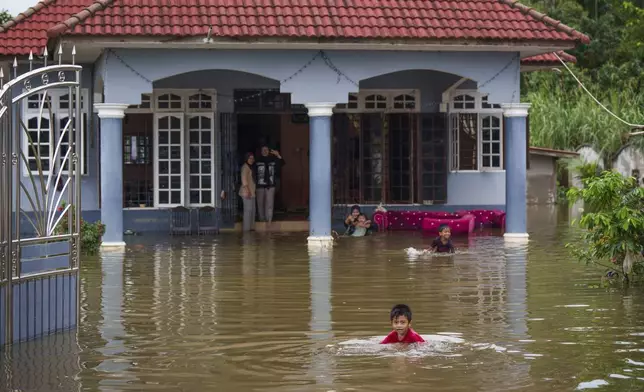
[
  {"x": 255, "y": 130},
  {"x": 269, "y": 119}
]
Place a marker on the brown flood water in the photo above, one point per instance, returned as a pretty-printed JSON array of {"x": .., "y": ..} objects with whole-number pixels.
[{"x": 265, "y": 313}]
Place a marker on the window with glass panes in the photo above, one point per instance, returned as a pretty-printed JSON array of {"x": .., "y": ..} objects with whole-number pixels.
[
  {"x": 184, "y": 151},
  {"x": 476, "y": 132},
  {"x": 46, "y": 117},
  {"x": 169, "y": 162},
  {"x": 201, "y": 148}
]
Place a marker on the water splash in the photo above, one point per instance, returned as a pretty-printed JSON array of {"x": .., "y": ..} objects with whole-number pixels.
[
  {"x": 591, "y": 384},
  {"x": 415, "y": 253},
  {"x": 434, "y": 345}
]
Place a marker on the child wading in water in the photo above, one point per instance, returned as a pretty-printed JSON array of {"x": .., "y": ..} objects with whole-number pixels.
[
  {"x": 401, "y": 323},
  {"x": 442, "y": 243}
]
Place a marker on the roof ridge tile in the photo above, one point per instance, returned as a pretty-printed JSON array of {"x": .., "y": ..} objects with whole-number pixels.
[
  {"x": 74, "y": 20},
  {"x": 25, "y": 15},
  {"x": 546, "y": 19}
]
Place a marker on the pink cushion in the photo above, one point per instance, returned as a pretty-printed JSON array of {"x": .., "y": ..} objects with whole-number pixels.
[
  {"x": 491, "y": 218},
  {"x": 415, "y": 220},
  {"x": 460, "y": 225},
  {"x": 412, "y": 220}
]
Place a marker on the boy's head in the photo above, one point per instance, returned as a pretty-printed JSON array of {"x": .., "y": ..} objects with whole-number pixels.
[
  {"x": 444, "y": 231},
  {"x": 362, "y": 218},
  {"x": 400, "y": 317}
]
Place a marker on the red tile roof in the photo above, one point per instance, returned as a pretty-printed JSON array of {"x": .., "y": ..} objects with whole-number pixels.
[
  {"x": 549, "y": 58},
  {"x": 425, "y": 20}
]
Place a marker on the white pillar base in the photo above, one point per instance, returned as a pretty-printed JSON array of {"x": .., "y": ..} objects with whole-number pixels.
[
  {"x": 113, "y": 245},
  {"x": 322, "y": 241},
  {"x": 516, "y": 236}
]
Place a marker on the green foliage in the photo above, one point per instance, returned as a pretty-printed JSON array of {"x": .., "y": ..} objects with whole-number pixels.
[
  {"x": 612, "y": 223},
  {"x": 91, "y": 234},
  {"x": 583, "y": 170},
  {"x": 563, "y": 116},
  {"x": 5, "y": 16}
]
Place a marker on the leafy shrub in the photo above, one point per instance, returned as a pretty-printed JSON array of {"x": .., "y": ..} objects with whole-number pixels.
[
  {"x": 613, "y": 222},
  {"x": 91, "y": 234}
]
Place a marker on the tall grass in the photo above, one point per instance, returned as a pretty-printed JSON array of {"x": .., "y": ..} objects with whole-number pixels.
[{"x": 563, "y": 116}]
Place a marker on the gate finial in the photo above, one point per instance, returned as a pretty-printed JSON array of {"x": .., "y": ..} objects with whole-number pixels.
[
  {"x": 31, "y": 60},
  {"x": 15, "y": 67},
  {"x": 60, "y": 54},
  {"x": 1, "y": 77},
  {"x": 45, "y": 54},
  {"x": 74, "y": 55}
]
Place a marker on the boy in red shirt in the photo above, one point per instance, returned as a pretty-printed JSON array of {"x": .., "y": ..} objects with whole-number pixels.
[{"x": 401, "y": 322}]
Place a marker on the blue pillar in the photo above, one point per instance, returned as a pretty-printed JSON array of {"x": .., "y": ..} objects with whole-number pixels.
[
  {"x": 111, "y": 164},
  {"x": 320, "y": 183},
  {"x": 515, "y": 153}
]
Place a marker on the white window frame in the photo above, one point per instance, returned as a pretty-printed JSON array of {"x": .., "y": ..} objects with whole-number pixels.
[
  {"x": 180, "y": 94},
  {"x": 210, "y": 93},
  {"x": 478, "y": 109},
  {"x": 185, "y": 113},
  {"x": 481, "y": 142},
  {"x": 388, "y": 94},
  {"x": 55, "y": 96},
  {"x": 213, "y": 158},
  {"x": 182, "y": 119}
]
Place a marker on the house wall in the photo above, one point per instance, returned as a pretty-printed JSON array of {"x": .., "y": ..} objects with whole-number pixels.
[
  {"x": 628, "y": 160},
  {"x": 542, "y": 180},
  {"x": 315, "y": 81},
  {"x": 476, "y": 188}
]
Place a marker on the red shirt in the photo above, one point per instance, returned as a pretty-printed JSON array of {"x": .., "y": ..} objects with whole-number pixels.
[{"x": 410, "y": 337}]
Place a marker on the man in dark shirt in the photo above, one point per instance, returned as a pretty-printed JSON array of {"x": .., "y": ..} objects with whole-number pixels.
[
  {"x": 443, "y": 244},
  {"x": 267, "y": 166}
]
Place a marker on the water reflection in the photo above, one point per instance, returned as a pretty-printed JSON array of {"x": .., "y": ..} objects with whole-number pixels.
[
  {"x": 321, "y": 329},
  {"x": 48, "y": 364},
  {"x": 112, "y": 330},
  {"x": 259, "y": 312}
]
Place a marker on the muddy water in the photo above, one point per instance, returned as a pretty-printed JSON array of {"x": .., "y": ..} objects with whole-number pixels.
[{"x": 265, "y": 313}]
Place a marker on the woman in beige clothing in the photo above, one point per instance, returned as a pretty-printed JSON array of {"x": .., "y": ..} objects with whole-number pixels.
[{"x": 247, "y": 191}]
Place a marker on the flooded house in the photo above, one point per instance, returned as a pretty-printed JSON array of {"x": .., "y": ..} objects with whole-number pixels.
[{"x": 415, "y": 105}]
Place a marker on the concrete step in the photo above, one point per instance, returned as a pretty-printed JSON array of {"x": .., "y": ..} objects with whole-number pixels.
[{"x": 279, "y": 226}]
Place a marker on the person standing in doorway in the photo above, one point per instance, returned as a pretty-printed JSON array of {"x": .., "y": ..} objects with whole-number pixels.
[
  {"x": 247, "y": 191},
  {"x": 268, "y": 166}
]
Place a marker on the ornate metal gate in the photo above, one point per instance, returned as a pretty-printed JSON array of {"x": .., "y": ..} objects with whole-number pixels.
[
  {"x": 39, "y": 198},
  {"x": 230, "y": 165}
]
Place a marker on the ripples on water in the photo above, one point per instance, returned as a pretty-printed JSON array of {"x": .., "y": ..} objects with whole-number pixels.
[{"x": 263, "y": 312}]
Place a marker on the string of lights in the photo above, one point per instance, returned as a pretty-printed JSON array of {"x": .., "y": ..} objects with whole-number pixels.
[{"x": 340, "y": 74}]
